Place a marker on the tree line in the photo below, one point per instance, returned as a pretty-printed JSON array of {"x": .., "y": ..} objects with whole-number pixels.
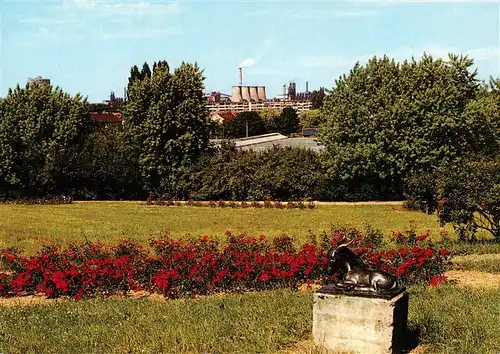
[{"x": 392, "y": 130}]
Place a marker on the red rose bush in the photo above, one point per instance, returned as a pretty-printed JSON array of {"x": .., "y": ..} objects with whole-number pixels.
[{"x": 179, "y": 268}]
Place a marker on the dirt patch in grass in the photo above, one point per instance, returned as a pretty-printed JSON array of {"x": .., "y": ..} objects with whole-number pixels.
[
  {"x": 40, "y": 299},
  {"x": 28, "y": 301},
  {"x": 474, "y": 278}
]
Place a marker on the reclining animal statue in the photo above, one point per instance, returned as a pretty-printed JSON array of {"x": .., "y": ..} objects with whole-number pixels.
[{"x": 355, "y": 275}]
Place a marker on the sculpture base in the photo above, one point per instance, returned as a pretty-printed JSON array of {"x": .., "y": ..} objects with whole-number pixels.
[
  {"x": 360, "y": 324},
  {"x": 332, "y": 289}
]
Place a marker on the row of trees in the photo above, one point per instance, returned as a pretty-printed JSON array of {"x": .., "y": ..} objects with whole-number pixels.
[
  {"x": 386, "y": 126},
  {"x": 286, "y": 122}
]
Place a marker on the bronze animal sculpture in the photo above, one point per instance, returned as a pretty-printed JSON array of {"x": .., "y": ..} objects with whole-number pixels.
[{"x": 355, "y": 275}]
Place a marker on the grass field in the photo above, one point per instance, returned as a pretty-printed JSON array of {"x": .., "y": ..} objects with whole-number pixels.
[
  {"x": 449, "y": 320},
  {"x": 29, "y": 226}
]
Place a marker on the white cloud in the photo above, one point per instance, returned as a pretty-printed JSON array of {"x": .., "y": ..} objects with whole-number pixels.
[
  {"x": 406, "y": 52},
  {"x": 402, "y": 2},
  {"x": 487, "y": 53},
  {"x": 103, "y": 8},
  {"x": 74, "y": 20},
  {"x": 144, "y": 33},
  {"x": 45, "y": 33},
  {"x": 401, "y": 53},
  {"x": 338, "y": 14},
  {"x": 248, "y": 62},
  {"x": 257, "y": 13}
]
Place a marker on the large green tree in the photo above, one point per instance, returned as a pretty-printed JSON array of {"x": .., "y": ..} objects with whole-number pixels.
[
  {"x": 317, "y": 98},
  {"x": 312, "y": 118},
  {"x": 237, "y": 128},
  {"x": 42, "y": 130},
  {"x": 386, "y": 121},
  {"x": 166, "y": 120}
]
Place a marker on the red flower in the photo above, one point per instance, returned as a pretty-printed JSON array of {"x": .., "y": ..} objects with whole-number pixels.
[
  {"x": 264, "y": 277},
  {"x": 438, "y": 279},
  {"x": 421, "y": 237},
  {"x": 443, "y": 252},
  {"x": 421, "y": 260}
]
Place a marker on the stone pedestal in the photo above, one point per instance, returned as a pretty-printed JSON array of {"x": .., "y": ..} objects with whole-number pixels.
[{"x": 360, "y": 324}]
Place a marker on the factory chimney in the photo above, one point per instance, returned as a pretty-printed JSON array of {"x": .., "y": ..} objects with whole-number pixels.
[
  {"x": 307, "y": 86},
  {"x": 241, "y": 76}
]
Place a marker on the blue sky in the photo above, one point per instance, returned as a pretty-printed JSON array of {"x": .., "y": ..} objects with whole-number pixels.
[{"x": 89, "y": 46}]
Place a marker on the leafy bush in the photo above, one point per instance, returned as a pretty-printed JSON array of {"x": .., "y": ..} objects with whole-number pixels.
[
  {"x": 311, "y": 119},
  {"x": 278, "y": 173},
  {"x": 237, "y": 127},
  {"x": 466, "y": 195}
]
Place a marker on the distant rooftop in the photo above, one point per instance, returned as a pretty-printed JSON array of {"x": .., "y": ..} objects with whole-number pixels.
[{"x": 266, "y": 141}]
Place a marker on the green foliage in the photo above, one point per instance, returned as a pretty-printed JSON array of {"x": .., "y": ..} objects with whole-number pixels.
[
  {"x": 236, "y": 128},
  {"x": 386, "y": 121},
  {"x": 318, "y": 96},
  {"x": 311, "y": 119},
  {"x": 135, "y": 75},
  {"x": 109, "y": 168},
  {"x": 166, "y": 121},
  {"x": 277, "y": 173},
  {"x": 145, "y": 72},
  {"x": 288, "y": 122},
  {"x": 41, "y": 134},
  {"x": 270, "y": 117},
  {"x": 466, "y": 195},
  {"x": 469, "y": 198}
]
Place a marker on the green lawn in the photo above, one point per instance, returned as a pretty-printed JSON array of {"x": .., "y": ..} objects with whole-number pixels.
[
  {"x": 449, "y": 320},
  {"x": 482, "y": 263},
  {"x": 29, "y": 226}
]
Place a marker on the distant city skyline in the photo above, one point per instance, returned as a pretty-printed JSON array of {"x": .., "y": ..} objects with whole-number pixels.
[{"x": 89, "y": 46}]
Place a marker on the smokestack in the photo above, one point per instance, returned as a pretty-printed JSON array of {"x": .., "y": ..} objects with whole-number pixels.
[
  {"x": 307, "y": 86},
  {"x": 241, "y": 76}
]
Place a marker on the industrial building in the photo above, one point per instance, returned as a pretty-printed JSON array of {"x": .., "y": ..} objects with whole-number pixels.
[
  {"x": 248, "y": 94},
  {"x": 253, "y": 97},
  {"x": 39, "y": 81},
  {"x": 267, "y": 141}
]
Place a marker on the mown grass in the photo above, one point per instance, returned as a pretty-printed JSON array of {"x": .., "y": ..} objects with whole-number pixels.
[
  {"x": 482, "y": 263},
  {"x": 29, "y": 226},
  {"x": 456, "y": 319},
  {"x": 449, "y": 319},
  {"x": 248, "y": 323}
]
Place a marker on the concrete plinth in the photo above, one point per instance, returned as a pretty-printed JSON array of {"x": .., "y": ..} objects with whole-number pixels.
[{"x": 360, "y": 324}]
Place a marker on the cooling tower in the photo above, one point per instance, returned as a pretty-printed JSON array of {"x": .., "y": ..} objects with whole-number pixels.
[
  {"x": 245, "y": 93},
  {"x": 253, "y": 94},
  {"x": 261, "y": 92},
  {"x": 236, "y": 95}
]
